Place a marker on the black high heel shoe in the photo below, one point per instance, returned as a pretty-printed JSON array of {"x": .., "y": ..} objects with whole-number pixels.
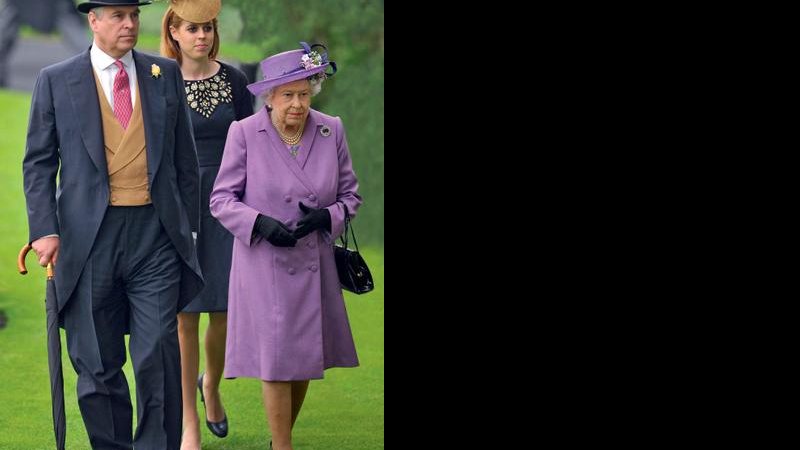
[{"x": 218, "y": 429}]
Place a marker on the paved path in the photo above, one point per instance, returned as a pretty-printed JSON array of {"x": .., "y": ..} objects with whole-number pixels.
[{"x": 30, "y": 56}]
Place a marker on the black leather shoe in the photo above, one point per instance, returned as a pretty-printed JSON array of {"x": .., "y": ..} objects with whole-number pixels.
[{"x": 218, "y": 429}]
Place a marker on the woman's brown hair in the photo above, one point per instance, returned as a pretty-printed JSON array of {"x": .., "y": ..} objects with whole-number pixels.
[{"x": 170, "y": 47}]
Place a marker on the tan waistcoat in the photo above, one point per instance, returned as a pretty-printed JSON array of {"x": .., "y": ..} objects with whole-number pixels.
[{"x": 125, "y": 154}]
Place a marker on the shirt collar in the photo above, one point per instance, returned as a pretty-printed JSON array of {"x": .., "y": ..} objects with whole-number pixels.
[{"x": 102, "y": 61}]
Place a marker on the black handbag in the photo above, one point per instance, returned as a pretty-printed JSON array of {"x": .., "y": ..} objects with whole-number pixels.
[{"x": 354, "y": 275}]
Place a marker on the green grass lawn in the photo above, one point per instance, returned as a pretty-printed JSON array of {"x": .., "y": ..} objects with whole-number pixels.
[{"x": 343, "y": 412}]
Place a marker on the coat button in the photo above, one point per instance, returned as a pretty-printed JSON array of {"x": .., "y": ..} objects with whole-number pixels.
[
  {"x": 312, "y": 197},
  {"x": 291, "y": 271},
  {"x": 287, "y": 199},
  {"x": 313, "y": 268},
  {"x": 113, "y": 199},
  {"x": 147, "y": 198}
]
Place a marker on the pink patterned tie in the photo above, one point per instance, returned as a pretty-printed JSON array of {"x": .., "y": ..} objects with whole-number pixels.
[{"x": 122, "y": 96}]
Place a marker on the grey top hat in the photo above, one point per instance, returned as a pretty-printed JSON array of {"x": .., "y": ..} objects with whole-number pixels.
[{"x": 88, "y": 6}]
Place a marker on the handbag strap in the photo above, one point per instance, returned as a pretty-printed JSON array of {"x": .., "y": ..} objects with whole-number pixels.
[{"x": 348, "y": 227}]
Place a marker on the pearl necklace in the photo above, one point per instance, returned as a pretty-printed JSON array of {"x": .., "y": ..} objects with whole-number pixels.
[{"x": 290, "y": 140}]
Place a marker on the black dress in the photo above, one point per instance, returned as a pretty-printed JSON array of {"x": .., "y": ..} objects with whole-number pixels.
[{"x": 214, "y": 103}]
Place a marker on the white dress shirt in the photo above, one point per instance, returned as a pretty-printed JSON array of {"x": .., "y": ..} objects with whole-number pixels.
[{"x": 106, "y": 71}]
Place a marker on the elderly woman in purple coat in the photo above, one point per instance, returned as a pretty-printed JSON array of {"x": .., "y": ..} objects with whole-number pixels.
[{"x": 283, "y": 189}]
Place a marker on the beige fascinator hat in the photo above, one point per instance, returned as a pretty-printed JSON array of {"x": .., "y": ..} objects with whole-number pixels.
[{"x": 196, "y": 11}]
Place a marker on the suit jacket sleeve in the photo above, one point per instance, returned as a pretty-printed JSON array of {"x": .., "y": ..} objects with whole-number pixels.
[
  {"x": 40, "y": 165},
  {"x": 186, "y": 164},
  {"x": 226, "y": 198}
]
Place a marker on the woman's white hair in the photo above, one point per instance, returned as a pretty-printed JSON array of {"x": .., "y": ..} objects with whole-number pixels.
[{"x": 316, "y": 88}]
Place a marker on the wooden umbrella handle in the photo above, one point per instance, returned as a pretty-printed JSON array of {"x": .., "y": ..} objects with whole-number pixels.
[
  {"x": 21, "y": 262},
  {"x": 21, "y": 259}
]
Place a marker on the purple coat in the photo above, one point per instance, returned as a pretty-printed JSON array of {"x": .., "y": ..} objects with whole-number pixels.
[{"x": 286, "y": 314}]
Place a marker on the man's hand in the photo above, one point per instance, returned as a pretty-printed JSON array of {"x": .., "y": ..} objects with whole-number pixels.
[{"x": 46, "y": 249}]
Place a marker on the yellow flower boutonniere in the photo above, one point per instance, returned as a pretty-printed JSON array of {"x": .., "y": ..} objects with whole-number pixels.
[{"x": 155, "y": 71}]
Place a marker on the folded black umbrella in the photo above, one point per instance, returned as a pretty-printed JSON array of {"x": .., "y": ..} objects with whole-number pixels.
[{"x": 53, "y": 351}]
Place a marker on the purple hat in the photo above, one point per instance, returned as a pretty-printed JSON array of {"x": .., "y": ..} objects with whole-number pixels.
[
  {"x": 88, "y": 6},
  {"x": 292, "y": 66}
]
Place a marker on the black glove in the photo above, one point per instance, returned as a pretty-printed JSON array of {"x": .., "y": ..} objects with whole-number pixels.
[
  {"x": 315, "y": 219},
  {"x": 274, "y": 232}
]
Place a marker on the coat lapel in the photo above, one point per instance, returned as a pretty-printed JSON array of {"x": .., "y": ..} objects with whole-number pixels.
[
  {"x": 273, "y": 141},
  {"x": 152, "y": 93},
  {"x": 307, "y": 143},
  {"x": 86, "y": 104}
]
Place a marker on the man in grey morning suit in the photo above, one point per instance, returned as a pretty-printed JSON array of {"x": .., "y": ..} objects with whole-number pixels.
[{"x": 114, "y": 125}]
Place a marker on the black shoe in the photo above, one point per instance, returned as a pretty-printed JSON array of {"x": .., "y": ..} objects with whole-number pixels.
[{"x": 218, "y": 429}]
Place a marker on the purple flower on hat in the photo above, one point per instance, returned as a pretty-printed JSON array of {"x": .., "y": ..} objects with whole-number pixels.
[{"x": 311, "y": 60}]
